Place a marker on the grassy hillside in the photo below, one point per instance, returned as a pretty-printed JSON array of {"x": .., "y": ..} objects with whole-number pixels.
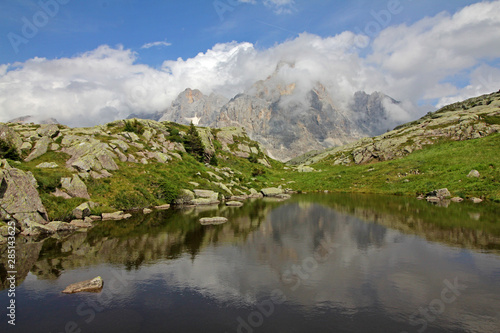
[{"x": 444, "y": 164}]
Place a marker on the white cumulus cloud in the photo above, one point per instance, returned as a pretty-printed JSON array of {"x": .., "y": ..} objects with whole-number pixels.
[{"x": 408, "y": 62}]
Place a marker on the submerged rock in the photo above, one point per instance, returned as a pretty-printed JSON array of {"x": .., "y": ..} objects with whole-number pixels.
[
  {"x": 213, "y": 220},
  {"x": 94, "y": 285},
  {"x": 234, "y": 204}
]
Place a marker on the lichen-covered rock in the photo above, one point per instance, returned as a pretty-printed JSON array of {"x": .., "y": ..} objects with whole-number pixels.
[
  {"x": 19, "y": 197},
  {"x": 82, "y": 211},
  {"x": 272, "y": 192},
  {"x": 36, "y": 229},
  {"x": 75, "y": 187},
  {"x": 9, "y": 135},
  {"x": 59, "y": 226},
  {"x": 40, "y": 149},
  {"x": 94, "y": 285},
  {"x": 206, "y": 194},
  {"x": 184, "y": 197},
  {"x": 92, "y": 155},
  {"x": 49, "y": 130}
]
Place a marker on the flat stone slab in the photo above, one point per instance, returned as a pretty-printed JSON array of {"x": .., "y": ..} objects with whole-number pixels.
[
  {"x": 234, "y": 204},
  {"x": 162, "y": 207},
  {"x": 94, "y": 285},
  {"x": 115, "y": 216},
  {"x": 213, "y": 220}
]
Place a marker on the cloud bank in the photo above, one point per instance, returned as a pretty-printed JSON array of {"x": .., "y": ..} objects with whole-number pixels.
[{"x": 428, "y": 60}]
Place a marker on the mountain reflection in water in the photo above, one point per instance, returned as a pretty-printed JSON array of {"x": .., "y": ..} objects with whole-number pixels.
[{"x": 322, "y": 263}]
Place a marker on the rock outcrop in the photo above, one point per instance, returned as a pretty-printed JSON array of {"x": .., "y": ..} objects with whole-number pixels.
[{"x": 19, "y": 198}]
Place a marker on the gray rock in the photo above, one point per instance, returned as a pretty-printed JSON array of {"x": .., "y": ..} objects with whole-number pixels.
[
  {"x": 75, "y": 187},
  {"x": 62, "y": 194},
  {"x": 40, "y": 149},
  {"x": 81, "y": 224},
  {"x": 19, "y": 197},
  {"x": 184, "y": 197},
  {"x": 476, "y": 200},
  {"x": 213, "y": 220},
  {"x": 35, "y": 229},
  {"x": 474, "y": 174},
  {"x": 82, "y": 211},
  {"x": 91, "y": 155},
  {"x": 272, "y": 192},
  {"x": 162, "y": 207},
  {"x": 49, "y": 130},
  {"x": 457, "y": 199},
  {"x": 61, "y": 226},
  {"x": 203, "y": 202},
  {"x": 206, "y": 194},
  {"x": 94, "y": 285},
  {"x": 9, "y": 135},
  {"x": 115, "y": 216}
]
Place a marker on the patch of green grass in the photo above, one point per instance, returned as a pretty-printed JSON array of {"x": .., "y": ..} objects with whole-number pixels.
[
  {"x": 60, "y": 209},
  {"x": 492, "y": 120}
]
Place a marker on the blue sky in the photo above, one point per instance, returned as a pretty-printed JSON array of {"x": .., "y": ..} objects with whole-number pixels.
[
  {"x": 189, "y": 26},
  {"x": 99, "y": 60}
]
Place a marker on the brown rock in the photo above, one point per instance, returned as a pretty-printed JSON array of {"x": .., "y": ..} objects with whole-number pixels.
[{"x": 94, "y": 285}]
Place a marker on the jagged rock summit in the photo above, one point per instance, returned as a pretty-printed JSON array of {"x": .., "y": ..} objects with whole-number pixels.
[{"x": 286, "y": 116}]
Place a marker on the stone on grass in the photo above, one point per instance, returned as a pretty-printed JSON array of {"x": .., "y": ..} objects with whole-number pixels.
[
  {"x": 474, "y": 174},
  {"x": 82, "y": 211},
  {"x": 94, "y": 285},
  {"x": 75, "y": 187}
]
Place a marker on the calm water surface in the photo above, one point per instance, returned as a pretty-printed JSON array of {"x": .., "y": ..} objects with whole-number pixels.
[{"x": 315, "y": 263}]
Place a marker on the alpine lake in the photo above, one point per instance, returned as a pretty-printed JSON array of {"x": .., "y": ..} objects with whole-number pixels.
[{"x": 313, "y": 263}]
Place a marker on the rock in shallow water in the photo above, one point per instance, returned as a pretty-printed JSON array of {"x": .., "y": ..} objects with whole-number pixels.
[
  {"x": 94, "y": 285},
  {"x": 213, "y": 220}
]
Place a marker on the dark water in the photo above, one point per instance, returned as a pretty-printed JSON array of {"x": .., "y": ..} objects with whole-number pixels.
[{"x": 315, "y": 263}]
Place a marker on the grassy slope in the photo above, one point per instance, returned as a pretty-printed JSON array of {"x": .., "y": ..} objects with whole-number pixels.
[{"x": 445, "y": 164}]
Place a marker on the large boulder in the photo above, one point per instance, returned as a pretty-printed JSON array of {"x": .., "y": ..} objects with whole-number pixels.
[
  {"x": 19, "y": 197},
  {"x": 92, "y": 155},
  {"x": 75, "y": 187},
  {"x": 40, "y": 149},
  {"x": 9, "y": 135},
  {"x": 50, "y": 130},
  {"x": 184, "y": 197},
  {"x": 272, "y": 192}
]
